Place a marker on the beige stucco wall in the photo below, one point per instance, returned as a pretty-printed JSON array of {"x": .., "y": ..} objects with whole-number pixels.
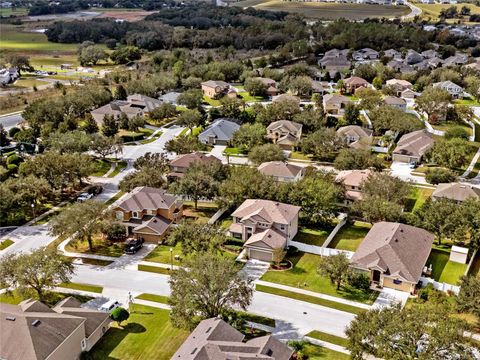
[
  {"x": 98, "y": 333},
  {"x": 404, "y": 286},
  {"x": 71, "y": 347}
]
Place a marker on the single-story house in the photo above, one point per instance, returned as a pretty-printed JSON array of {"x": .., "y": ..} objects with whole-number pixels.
[
  {"x": 214, "y": 339},
  {"x": 412, "y": 146},
  {"x": 31, "y": 330},
  {"x": 148, "y": 213},
  {"x": 453, "y": 89},
  {"x": 395, "y": 102},
  {"x": 218, "y": 133},
  {"x": 365, "y": 54},
  {"x": 284, "y": 133},
  {"x": 457, "y": 192},
  {"x": 181, "y": 163},
  {"x": 356, "y": 136},
  {"x": 353, "y": 181},
  {"x": 282, "y": 171},
  {"x": 212, "y": 88},
  {"x": 265, "y": 226},
  {"x": 335, "y": 104},
  {"x": 393, "y": 255}
]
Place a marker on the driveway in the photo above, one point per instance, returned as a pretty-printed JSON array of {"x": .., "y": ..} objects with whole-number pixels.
[
  {"x": 403, "y": 171},
  {"x": 389, "y": 297},
  {"x": 218, "y": 150},
  {"x": 28, "y": 238}
]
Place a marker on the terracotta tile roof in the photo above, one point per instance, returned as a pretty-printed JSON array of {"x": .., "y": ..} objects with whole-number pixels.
[
  {"x": 146, "y": 198},
  {"x": 270, "y": 211},
  {"x": 397, "y": 249}
]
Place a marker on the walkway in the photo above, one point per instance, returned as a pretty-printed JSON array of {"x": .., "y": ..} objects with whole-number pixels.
[{"x": 388, "y": 297}]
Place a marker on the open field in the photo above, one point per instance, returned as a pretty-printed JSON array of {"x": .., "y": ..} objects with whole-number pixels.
[
  {"x": 432, "y": 11},
  {"x": 7, "y": 12},
  {"x": 328, "y": 10}
]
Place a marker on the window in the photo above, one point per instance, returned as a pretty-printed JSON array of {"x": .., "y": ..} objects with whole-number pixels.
[
  {"x": 83, "y": 344},
  {"x": 119, "y": 215},
  {"x": 282, "y": 227},
  {"x": 135, "y": 214}
]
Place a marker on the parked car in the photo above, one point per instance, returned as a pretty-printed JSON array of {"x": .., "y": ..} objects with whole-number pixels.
[
  {"x": 133, "y": 245},
  {"x": 109, "y": 306},
  {"x": 84, "y": 197},
  {"x": 95, "y": 189}
]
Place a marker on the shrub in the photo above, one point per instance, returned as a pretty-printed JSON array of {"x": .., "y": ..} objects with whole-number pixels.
[
  {"x": 439, "y": 175},
  {"x": 14, "y": 160},
  {"x": 13, "y": 131},
  {"x": 456, "y": 132},
  {"x": 119, "y": 314},
  {"x": 115, "y": 232},
  {"x": 359, "y": 281}
]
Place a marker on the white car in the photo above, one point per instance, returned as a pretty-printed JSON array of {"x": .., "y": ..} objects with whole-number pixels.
[
  {"x": 84, "y": 197},
  {"x": 109, "y": 306}
]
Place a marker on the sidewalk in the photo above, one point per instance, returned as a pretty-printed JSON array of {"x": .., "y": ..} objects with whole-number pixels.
[{"x": 315, "y": 294}]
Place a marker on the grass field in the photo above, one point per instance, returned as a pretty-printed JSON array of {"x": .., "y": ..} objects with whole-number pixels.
[
  {"x": 328, "y": 10},
  {"x": 304, "y": 275},
  {"x": 350, "y": 236},
  {"x": 148, "y": 334},
  {"x": 18, "y": 11},
  {"x": 417, "y": 198},
  {"x": 432, "y": 11}
]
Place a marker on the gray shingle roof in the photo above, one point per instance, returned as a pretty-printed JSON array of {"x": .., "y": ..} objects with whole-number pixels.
[{"x": 221, "y": 129}]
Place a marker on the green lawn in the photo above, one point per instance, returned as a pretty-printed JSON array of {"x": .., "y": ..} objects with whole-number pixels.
[
  {"x": 310, "y": 299},
  {"x": 114, "y": 198},
  {"x": 350, "y": 236},
  {"x": 51, "y": 298},
  {"x": 417, "y": 198},
  {"x": 449, "y": 125},
  {"x": 95, "y": 262},
  {"x": 152, "y": 297},
  {"x": 100, "y": 247},
  {"x": 304, "y": 275},
  {"x": 120, "y": 166},
  {"x": 315, "y": 352},
  {"x": 204, "y": 212},
  {"x": 444, "y": 270},
  {"x": 5, "y": 243},
  {"x": 148, "y": 334},
  {"x": 333, "y": 339},
  {"x": 296, "y": 155},
  {"x": 101, "y": 167},
  {"x": 210, "y": 101},
  {"x": 232, "y": 151},
  {"x": 258, "y": 319},
  {"x": 161, "y": 254},
  {"x": 152, "y": 139},
  {"x": 82, "y": 287},
  {"x": 155, "y": 269},
  {"x": 312, "y": 236},
  {"x": 467, "y": 101}
]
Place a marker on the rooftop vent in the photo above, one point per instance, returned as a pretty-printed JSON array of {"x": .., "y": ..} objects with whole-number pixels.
[
  {"x": 193, "y": 351},
  {"x": 10, "y": 318},
  {"x": 208, "y": 330},
  {"x": 36, "y": 323}
]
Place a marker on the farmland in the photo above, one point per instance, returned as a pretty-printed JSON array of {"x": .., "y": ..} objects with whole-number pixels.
[
  {"x": 320, "y": 10},
  {"x": 432, "y": 11}
]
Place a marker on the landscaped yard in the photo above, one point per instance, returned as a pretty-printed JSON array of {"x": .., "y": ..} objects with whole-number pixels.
[
  {"x": 100, "y": 247},
  {"x": 304, "y": 275},
  {"x": 350, "y": 236},
  {"x": 205, "y": 210},
  {"x": 312, "y": 236},
  {"x": 120, "y": 166},
  {"x": 148, "y": 334},
  {"x": 448, "y": 125},
  {"x": 444, "y": 270},
  {"x": 101, "y": 167},
  {"x": 51, "y": 298}
]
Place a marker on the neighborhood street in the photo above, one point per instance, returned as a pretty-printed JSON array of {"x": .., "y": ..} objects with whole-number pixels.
[{"x": 10, "y": 120}]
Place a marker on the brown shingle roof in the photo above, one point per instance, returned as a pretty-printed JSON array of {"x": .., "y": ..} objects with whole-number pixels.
[
  {"x": 146, "y": 198},
  {"x": 416, "y": 143},
  {"x": 456, "y": 191},
  {"x": 271, "y": 238},
  {"x": 393, "y": 100},
  {"x": 291, "y": 126},
  {"x": 353, "y": 177},
  {"x": 279, "y": 169},
  {"x": 355, "y": 80},
  {"x": 185, "y": 160},
  {"x": 271, "y": 211},
  {"x": 354, "y": 130},
  {"x": 397, "y": 249}
]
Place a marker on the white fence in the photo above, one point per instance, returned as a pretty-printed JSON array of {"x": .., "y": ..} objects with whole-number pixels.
[
  {"x": 342, "y": 220},
  {"x": 440, "y": 286},
  {"x": 319, "y": 250}
]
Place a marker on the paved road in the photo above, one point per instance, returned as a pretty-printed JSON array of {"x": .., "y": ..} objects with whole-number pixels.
[
  {"x": 27, "y": 238},
  {"x": 11, "y": 120},
  {"x": 415, "y": 11}
]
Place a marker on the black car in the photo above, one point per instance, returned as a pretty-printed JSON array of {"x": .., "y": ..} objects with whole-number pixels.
[
  {"x": 95, "y": 189},
  {"x": 133, "y": 245}
]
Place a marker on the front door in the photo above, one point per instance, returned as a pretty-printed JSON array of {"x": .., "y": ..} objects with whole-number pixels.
[{"x": 376, "y": 276}]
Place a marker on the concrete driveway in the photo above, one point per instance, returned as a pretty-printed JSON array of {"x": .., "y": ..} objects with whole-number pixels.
[
  {"x": 404, "y": 172},
  {"x": 27, "y": 238}
]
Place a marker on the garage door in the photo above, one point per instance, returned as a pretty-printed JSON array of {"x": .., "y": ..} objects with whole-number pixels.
[{"x": 260, "y": 255}]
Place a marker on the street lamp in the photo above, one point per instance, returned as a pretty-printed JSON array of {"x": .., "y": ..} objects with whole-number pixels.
[{"x": 171, "y": 257}]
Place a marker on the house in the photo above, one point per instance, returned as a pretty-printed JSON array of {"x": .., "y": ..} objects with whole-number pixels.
[
  {"x": 395, "y": 102},
  {"x": 400, "y": 66},
  {"x": 434, "y": 62},
  {"x": 335, "y": 104},
  {"x": 335, "y": 61},
  {"x": 32, "y": 331},
  {"x": 453, "y": 89},
  {"x": 399, "y": 85},
  {"x": 285, "y": 133},
  {"x": 428, "y": 54},
  {"x": 353, "y": 181},
  {"x": 413, "y": 57},
  {"x": 264, "y": 225},
  {"x": 457, "y": 192},
  {"x": 353, "y": 83},
  {"x": 218, "y": 133},
  {"x": 365, "y": 54},
  {"x": 286, "y": 97},
  {"x": 356, "y": 136},
  {"x": 214, "y": 339},
  {"x": 393, "y": 255},
  {"x": 282, "y": 171},
  {"x": 393, "y": 54},
  {"x": 9, "y": 76},
  {"x": 214, "y": 89},
  {"x": 135, "y": 105},
  {"x": 409, "y": 94},
  {"x": 180, "y": 164},
  {"x": 458, "y": 59},
  {"x": 170, "y": 97},
  {"x": 148, "y": 212},
  {"x": 412, "y": 146}
]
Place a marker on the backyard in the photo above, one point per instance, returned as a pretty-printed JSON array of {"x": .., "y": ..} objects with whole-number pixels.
[
  {"x": 312, "y": 236},
  {"x": 304, "y": 275},
  {"x": 205, "y": 210},
  {"x": 148, "y": 334},
  {"x": 444, "y": 270},
  {"x": 417, "y": 198},
  {"x": 350, "y": 236}
]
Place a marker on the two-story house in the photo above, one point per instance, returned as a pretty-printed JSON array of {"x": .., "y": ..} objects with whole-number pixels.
[
  {"x": 213, "y": 89},
  {"x": 334, "y": 104},
  {"x": 264, "y": 225},
  {"x": 353, "y": 83},
  {"x": 148, "y": 213},
  {"x": 352, "y": 181},
  {"x": 284, "y": 133},
  {"x": 180, "y": 164}
]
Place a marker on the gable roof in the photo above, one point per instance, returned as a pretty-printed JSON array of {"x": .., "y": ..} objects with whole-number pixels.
[
  {"x": 146, "y": 198},
  {"x": 271, "y": 211},
  {"x": 291, "y": 126},
  {"x": 215, "y": 83},
  {"x": 156, "y": 224},
  {"x": 393, "y": 100},
  {"x": 446, "y": 84},
  {"x": 335, "y": 99},
  {"x": 221, "y": 129},
  {"x": 456, "y": 191},
  {"x": 353, "y": 177},
  {"x": 416, "y": 143},
  {"x": 146, "y": 102},
  {"x": 279, "y": 169},
  {"x": 355, "y": 80},
  {"x": 354, "y": 130},
  {"x": 396, "y": 249},
  {"x": 399, "y": 82},
  {"x": 185, "y": 160},
  {"x": 269, "y": 238}
]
